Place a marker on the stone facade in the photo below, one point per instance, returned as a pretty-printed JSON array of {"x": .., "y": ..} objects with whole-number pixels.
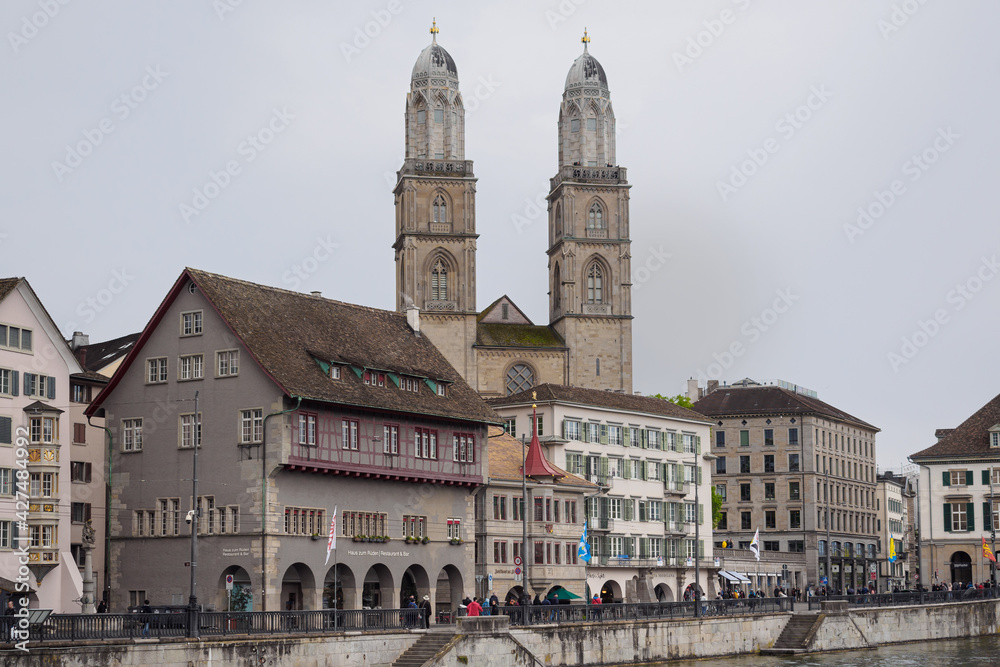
[
  {"x": 589, "y": 261},
  {"x": 893, "y": 524},
  {"x": 394, "y": 475},
  {"x": 770, "y": 471}
]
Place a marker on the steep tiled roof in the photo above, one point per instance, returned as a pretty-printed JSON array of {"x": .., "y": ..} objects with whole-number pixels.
[
  {"x": 494, "y": 334},
  {"x": 93, "y": 376},
  {"x": 99, "y": 355},
  {"x": 750, "y": 401},
  {"x": 7, "y": 286},
  {"x": 970, "y": 438},
  {"x": 599, "y": 398},
  {"x": 505, "y": 455},
  {"x": 289, "y": 333}
]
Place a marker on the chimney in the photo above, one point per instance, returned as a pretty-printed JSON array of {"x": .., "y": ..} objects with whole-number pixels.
[
  {"x": 693, "y": 390},
  {"x": 712, "y": 386},
  {"x": 413, "y": 318},
  {"x": 79, "y": 339},
  {"x": 316, "y": 293}
]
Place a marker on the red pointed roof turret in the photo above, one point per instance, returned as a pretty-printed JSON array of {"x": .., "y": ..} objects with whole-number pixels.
[{"x": 536, "y": 465}]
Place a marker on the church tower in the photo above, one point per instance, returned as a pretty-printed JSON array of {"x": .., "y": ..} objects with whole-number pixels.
[
  {"x": 435, "y": 198},
  {"x": 590, "y": 300}
]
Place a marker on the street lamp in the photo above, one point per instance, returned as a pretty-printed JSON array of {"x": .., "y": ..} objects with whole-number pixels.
[
  {"x": 193, "y": 623},
  {"x": 697, "y": 569}
]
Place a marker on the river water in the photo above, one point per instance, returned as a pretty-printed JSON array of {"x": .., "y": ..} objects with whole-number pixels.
[{"x": 945, "y": 653}]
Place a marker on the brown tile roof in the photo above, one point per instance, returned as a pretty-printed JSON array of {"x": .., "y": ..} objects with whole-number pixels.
[
  {"x": 942, "y": 432},
  {"x": 7, "y": 286},
  {"x": 970, "y": 438},
  {"x": 756, "y": 401},
  {"x": 495, "y": 334},
  {"x": 92, "y": 376},
  {"x": 287, "y": 332},
  {"x": 599, "y": 398},
  {"x": 505, "y": 458}
]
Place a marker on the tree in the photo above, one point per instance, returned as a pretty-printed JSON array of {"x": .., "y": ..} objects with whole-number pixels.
[
  {"x": 716, "y": 508},
  {"x": 679, "y": 399}
]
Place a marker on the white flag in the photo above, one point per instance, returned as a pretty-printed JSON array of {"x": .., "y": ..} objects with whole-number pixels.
[
  {"x": 331, "y": 544},
  {"x": 755, "y": 545}
]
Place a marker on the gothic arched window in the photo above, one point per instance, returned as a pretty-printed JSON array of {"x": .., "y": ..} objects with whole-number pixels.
[
  {"x": 440, "y": 209},
  {"x": 595, "y": 284},
  {"x": 558, "y": 220},
  {"x": 439, "y": 282},
  {"x": 556, "y": 288},
  {"x": 595, "y": 218},
  {"x": 519, "y": 378}
]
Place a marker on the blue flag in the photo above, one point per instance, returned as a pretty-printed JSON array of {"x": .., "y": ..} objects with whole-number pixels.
[{"x": 584, "y": 551}]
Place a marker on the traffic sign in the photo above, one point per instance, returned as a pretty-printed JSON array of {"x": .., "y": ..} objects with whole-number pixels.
[
  {"x": 823, "y": 581},
  {"x": 517, "y": 560},
  {"x": 229, "y": 582},
  {"x": 873, "y": 576},
  {"x": 489, "y": 578},
  {"x": 517, "y": 571}
]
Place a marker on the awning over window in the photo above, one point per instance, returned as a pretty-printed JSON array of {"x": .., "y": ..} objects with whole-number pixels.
[{"x": 734, "y": 577}]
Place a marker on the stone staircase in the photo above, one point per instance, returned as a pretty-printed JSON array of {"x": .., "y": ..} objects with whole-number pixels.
[
  {"x": 796, "y": 635},
  {"x": 426, "y": 648}
]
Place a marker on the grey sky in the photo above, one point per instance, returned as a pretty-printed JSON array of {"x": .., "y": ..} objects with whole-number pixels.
[{"x": 873, "y": 82}]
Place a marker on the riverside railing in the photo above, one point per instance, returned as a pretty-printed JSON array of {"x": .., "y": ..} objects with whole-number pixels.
[
  {"x": 79, "y": 627},
  {"x": 907, "y": 598},
  {"x": 591, "y": 613}
]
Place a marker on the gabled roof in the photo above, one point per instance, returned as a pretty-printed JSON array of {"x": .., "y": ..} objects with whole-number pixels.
[
  {"x": 293, "y": 337},
  {"x": 38, "y": 406},
  {"x": 38, "y": 310},
  {"x": 494, "y": 313},
  {"x": 505, "y": 456},
  {"x": 769, "y": 400},
  {"x": 971, "y": 438},
  {"x": 98, "y": 355},
  {"x": 599, "y": 398},
  {"x": 7, "y": 286}
]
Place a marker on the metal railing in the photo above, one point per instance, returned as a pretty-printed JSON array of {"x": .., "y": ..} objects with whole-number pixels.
[
  {"x": 77, "y": 627},
  {"x": 906, "y": 598},
  {"x": 589, "y": 613}
]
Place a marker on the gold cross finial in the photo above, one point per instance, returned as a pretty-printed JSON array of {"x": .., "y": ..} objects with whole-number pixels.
[
  {"x": 585, "y": 40},
  {"x": 434, "y": 29}
]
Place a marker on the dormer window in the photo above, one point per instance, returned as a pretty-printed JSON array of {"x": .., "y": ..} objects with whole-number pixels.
[
  {"x": 441, "y": 389},
  {"x": 374, "y": 379},
  {"x": 409, "y": 384},
  {"x": 334, "y": 372},
  {"x": 995, "y": 437}
]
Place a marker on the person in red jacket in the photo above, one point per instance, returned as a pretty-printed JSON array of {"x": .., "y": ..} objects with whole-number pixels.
[{"x": 475, "y": 608}]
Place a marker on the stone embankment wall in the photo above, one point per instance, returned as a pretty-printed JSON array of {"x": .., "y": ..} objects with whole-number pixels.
[
  {"x": 490, "y": 642},
  {"x": 867, "y": 628},
  {"x": 369, "y": 650}
]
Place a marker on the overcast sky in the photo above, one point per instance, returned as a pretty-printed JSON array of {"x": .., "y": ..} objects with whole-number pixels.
[{"x": 753, "y": 132}]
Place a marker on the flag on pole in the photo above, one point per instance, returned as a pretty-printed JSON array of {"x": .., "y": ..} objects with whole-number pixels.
[
  {"x": 584, "y": 551},
  {"x": 892, "y": 549},
  {"x": 331, "y": 544},
  {"x": 755, "y": 545},
  {"x": 987, "y": 552}
]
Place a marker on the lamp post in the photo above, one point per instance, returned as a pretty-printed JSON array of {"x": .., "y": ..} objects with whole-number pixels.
[
  {"x": 193, "y": 599},
  {"x": 829, "y": 546},
  {"x": 697, "y": 569}
]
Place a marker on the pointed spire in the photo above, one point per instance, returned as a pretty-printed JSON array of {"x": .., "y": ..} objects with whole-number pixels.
[
  {"x": 535, "y": 464},
  {"x": 585, "y": 40},
  {"x": 434, "y": 30}
]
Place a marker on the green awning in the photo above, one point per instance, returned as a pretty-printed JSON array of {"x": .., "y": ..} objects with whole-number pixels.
[{"x": 563, "y": 594}]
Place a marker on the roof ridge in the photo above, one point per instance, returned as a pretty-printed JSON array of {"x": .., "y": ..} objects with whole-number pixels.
[{"x": 194, "y": 272}]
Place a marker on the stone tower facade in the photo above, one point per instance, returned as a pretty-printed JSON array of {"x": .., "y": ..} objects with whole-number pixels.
[
  {"x": 435, "y": 198},
  {"x": 590, "y": 301}
]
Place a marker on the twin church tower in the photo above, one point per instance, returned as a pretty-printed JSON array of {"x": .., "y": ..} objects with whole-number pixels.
[{"x": 499, "y": 350}]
